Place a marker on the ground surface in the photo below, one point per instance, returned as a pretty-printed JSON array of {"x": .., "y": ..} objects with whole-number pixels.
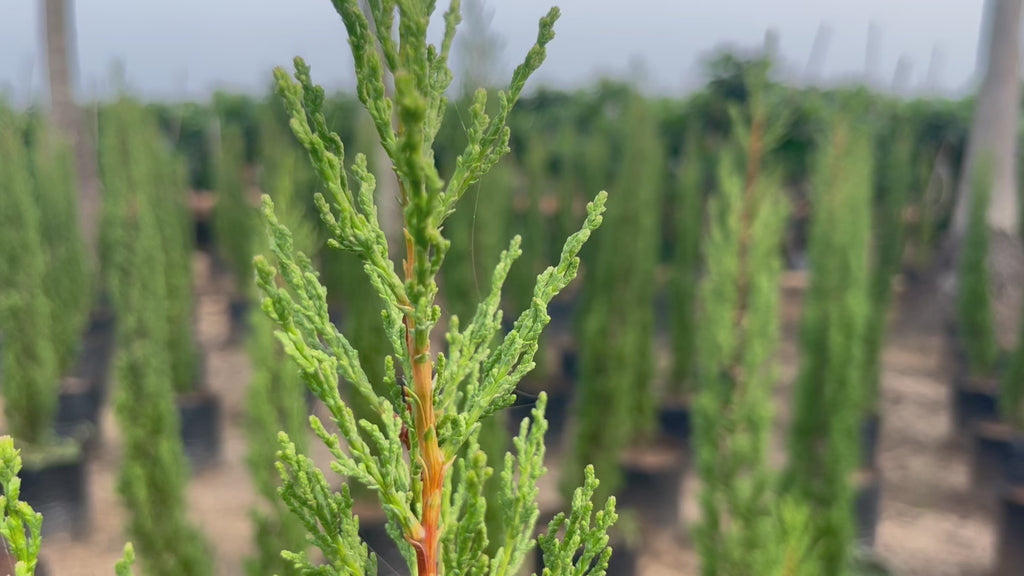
[{"x": 930, "y": 524}]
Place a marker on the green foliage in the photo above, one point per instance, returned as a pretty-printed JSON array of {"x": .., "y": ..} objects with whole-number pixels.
[
  {"x": 21, "y": 527},
  {"x": 686, "y": 262},
  {"x": 123, "y": 567},
  {"x": 234, "y": 217},
  {"x": 616, "y": 399},
  {"x": 974, "y": 301},
  {"x": 154, "y": 472},
  {"x": 433, "y": 499},
  {"x": 138, "y": 169},
  {"x": 893, "y": 181},
  {"x": 276, "y": 402},
  {"x": 30, "y": 371},
  {"x": 1011, "y": 396},
  {"x": 738, "y": 335},
  {"x": 68, "y": 276},
  {"x": 830, "y": 387}
]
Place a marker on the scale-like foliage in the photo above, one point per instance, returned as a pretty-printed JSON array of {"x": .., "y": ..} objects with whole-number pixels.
[
  {"x": 30, "y": 372},
  {"x": 431, "y": 409},
  {"x": 830, "y": 389},
  {"x": 20, "y": 527}
]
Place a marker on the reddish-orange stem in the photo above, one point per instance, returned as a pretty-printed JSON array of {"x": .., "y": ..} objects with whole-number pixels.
[{"x": 426, "y": 544}]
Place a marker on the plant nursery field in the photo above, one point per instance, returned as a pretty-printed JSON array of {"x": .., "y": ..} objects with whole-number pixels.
[{"x": 931, "y": 524}]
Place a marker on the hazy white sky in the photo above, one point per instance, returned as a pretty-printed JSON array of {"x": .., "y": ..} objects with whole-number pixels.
[{"x": 187, "y": 48}]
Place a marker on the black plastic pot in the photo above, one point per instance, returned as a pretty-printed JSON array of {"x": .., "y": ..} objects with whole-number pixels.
[
  {"x": 674, "y": 418},
  {"x": 78, "y": 412},
  {"x": 556, "y": 413},
  {"x": 570, "y": 364},
  {"x": 59, "y": 491},
  {"x": 238, "y": 315},
  {"x": 200, "y": 415},
  {"x": 373, "y": 531},
  {"x": 97, "y": 350},
  {"x": 1010, "y": 546},
  {"x": 653, "y": 477},
  {"x": 867, "y": 504},
  {"x": 870, "y": 426},
  {"x": 990, "y": 458},
  {"x": 974, "y": 401}
]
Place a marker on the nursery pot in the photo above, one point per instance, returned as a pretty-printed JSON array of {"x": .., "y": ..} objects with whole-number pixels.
[
  {"x": 867, "y": 503},
  {"x": 59, "y": 491},
  {"x": 200, "y": 414},
  {"x": 990, "y": 457},
  {"x": 238, "y": 315},
  {"x": 974, "y": 400},
  {"x": 1010, "y": 546},
  {"x": 97, "y": 350},
  {"x": 870, "y": 425},
  {"x": 373, "y": 531},
  {"x": 653, "y": 478},
  {"x": 78, "y": 412},
  {"x": 674, "y": 419}
]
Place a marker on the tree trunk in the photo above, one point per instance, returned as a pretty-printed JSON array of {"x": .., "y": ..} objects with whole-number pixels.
[
  {"x": 58, "y": 31},
  {"x": 994, "y": 133}
]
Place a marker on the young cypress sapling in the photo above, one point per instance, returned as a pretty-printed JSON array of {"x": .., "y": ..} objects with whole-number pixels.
[
  {"x": 615, "y": 401},
  {"x": 738, "y": 333},
  {"x": 68, "y": 276},
  {"x": 973, "y": 299},
  {"x": 830, "y": 388},
  {"x": 154, "y": 471},
  {"x": 21, "y": 527},
  {"x": 234, "y": 217},
  {"x": 276, "y": 397},
  {"x": 689, "y": 216},
  {"x": 433, "y": 500},
  {"x": 893, "y": 183},
  {"x": 30, "y": 371}
]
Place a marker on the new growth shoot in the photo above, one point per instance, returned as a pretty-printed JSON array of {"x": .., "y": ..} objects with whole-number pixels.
[{"x": 435, "y": 401}]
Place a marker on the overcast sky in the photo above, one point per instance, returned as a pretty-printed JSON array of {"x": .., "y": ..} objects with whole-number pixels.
[{"x": 187, "y": 48}]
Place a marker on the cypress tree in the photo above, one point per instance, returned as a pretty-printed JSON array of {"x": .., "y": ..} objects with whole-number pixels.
[
  {"x": 686, "y": 263},
  {"x": 30, "y": 369},
  {"x": 974, "y": 301},
  {"x": 234, "y": 217},
  {"x": 738, "y": 334},
  {"x": 68, "y": 277},
  {"x": 616, "y": 402},
  {"x": 154, "y": 471},
  {"x": 276, "y": 397},
  {"x": 893, "y": 181},
  {"x": 830, "y": 386}
]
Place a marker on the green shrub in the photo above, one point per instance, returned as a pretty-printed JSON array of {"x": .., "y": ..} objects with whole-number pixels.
[
  {"x": 68, "y": 276},
  {"x": 154, "y": 471},
  {"x": 30, "y": 371},
  {"x": 830, "y": 389},
  {"x": 738, "y": 331},
  {"x": 616, "y": 399},
  {"x": 234, "y": 217},
  {"x": 893, "y": 180},
  {"x": 974, "y": 301},
  {"x": 686, "y": 267}
]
